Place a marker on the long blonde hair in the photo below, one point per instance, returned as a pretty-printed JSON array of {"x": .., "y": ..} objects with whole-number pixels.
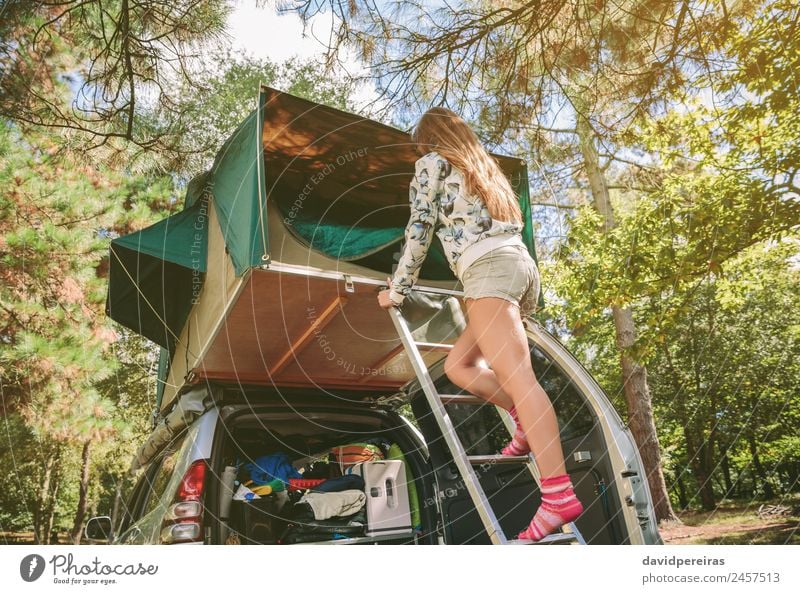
[{"x": 444, "y": 131}]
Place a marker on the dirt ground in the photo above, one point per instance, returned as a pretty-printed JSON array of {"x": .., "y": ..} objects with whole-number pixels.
[{"x": 733, "y": 523}]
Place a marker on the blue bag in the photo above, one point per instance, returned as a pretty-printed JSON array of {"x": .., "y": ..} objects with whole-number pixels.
[
  {"x": 270, "y": 467},
  {"x": 342, "y": 483}
]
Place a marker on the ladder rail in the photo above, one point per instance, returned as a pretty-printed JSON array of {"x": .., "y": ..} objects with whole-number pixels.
[{"x": 459, "y": 455}]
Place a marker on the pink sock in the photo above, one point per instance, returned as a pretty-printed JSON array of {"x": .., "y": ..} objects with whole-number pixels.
[
  {"x": 559, "y": 506},
  {"x": 519, "y": 443}
]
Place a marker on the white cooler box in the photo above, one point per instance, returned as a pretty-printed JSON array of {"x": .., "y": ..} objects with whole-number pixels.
[{"x": 388, "y": 511}]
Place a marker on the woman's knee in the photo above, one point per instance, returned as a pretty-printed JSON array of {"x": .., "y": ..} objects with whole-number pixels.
[
  {"x": 515, "y": 374},
  {"x": 454, "y": 368}
]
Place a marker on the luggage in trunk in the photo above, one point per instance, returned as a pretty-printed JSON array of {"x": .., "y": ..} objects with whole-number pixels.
[
  {"x": 339, "y": 508},
  {"x": 388, "y": 510}
]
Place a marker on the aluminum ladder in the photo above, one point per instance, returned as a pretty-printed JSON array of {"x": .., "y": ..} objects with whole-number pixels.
[{"x": 569, "y": 532}]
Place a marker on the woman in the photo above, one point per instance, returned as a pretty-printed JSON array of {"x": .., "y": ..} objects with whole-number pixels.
[{"x": 459, "y": 192}]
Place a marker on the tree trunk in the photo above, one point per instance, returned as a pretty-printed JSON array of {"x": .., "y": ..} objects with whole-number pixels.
[
  {"x": 705, "y": 489},
  {"x": 726, "y": 474},
  {"x": 760, "y": 472},
  {"x": 697, "y": 458},
  {"x": 115, "y": 508},
  {"x": 44, "y": 503},
  {"x": 707, "y": 495},
  {"x": 634, "y": 375},
  {"x": 83, "y": 488},
  {"x": 40, "y": 504},
  {"x": 683, "y": 500},
  {"x": 50, "y": 514}
]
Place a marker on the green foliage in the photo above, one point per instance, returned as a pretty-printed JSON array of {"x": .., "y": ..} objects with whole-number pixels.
[
  {"x": 707, "y": 256},
  {"x": 56, "y": 214},
  {"x": 19, "y": 474},
  {"x": 108, "y": 70},
  {"x": 229, "y": 92},
  {"x": 722, "y": 354}
]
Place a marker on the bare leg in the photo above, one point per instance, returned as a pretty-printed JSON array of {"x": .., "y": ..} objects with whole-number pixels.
[
  {"x": 496, "y": 326},
  {"x": 461, "y": 367}
]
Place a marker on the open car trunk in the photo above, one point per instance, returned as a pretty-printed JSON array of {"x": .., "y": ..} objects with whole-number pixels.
[
  {"x": 308, "y": 435},
  {"x": 600, "y": 455}
]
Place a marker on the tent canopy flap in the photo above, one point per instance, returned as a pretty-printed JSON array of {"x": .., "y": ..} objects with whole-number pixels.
[
  {"x": 156, "y": 274},
  {"x": 237, "y": 183}
]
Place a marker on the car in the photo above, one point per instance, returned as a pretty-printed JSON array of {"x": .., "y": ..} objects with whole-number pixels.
[
  {"x": 186, "y": 469},
  {"x": 262, "y": 292},
  {"x": 177, "y": 496}
]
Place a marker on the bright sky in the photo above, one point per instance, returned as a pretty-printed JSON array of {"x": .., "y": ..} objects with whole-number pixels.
[{"x": 263, "y": 33}]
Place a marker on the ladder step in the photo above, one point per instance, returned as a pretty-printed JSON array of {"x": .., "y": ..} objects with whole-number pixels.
[
  {"x": 498, "y": 459},
  {"x": 461, "y": 399},
  {"x": 557, "y": 538},
  {"x": 434, "y": 346}
]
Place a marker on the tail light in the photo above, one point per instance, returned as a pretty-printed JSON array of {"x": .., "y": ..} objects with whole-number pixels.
[{"x": 183, "y": 521}]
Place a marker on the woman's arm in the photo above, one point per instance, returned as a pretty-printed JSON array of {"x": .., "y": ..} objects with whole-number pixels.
[{"x": 423, "y": 194}]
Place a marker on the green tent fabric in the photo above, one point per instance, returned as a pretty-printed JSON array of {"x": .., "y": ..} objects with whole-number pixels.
[
  {"x": 195, "y": 189},
  {"x": 519, "y": 182},
  {"x": 237, "y": 182},
  {"x": 155, "y": 274},
  {"x": 345, "y": 242}
]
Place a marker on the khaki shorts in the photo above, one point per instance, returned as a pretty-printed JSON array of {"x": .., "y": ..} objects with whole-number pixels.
[{"x": 508, "y": 272}]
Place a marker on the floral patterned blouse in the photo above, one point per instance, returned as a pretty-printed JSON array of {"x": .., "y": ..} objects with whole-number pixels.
[{"x": 440, "y": 205}]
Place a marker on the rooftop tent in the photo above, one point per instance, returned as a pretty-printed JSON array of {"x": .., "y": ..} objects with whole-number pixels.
[
  {"x": 303, "y": 211},
  {"x": 340, "y": 186}
]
